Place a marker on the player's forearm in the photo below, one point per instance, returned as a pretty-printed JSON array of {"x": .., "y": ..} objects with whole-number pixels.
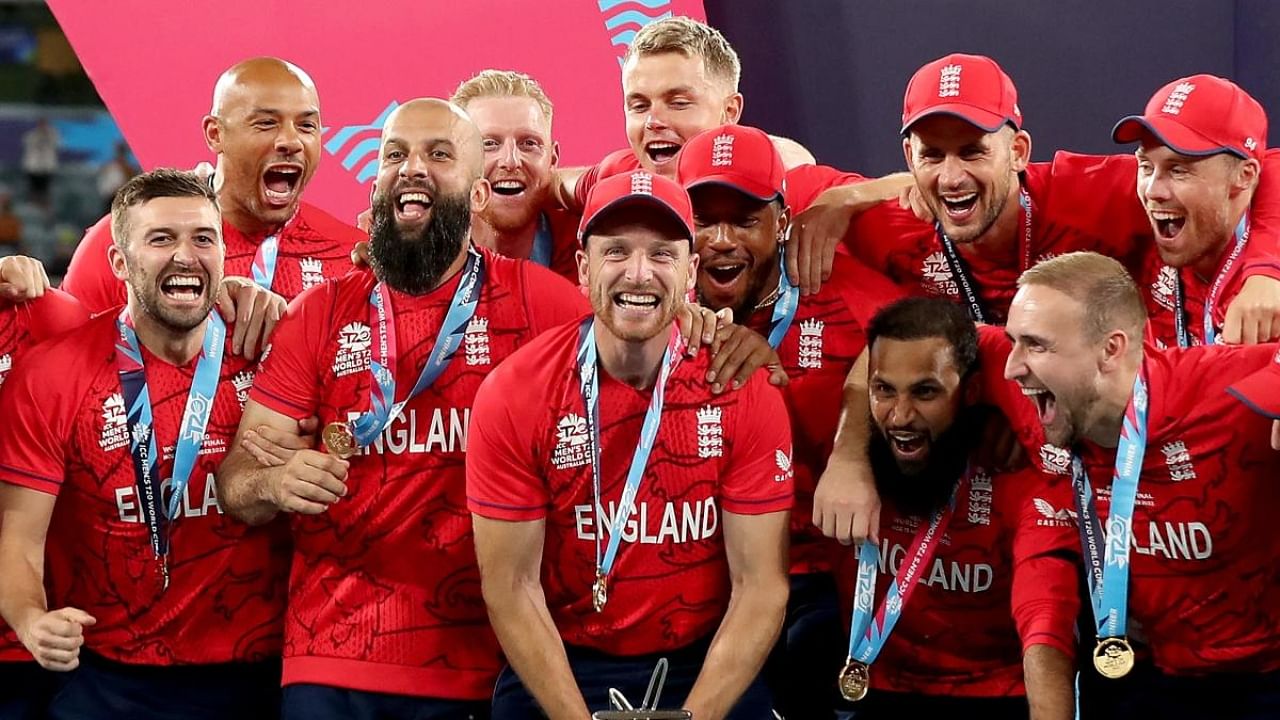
[
  {"x": 243, "y": 488},
  {"x": 529, "y": 638},
  {"x": 1050, "y": 692},
  {"x": 737, "y": 653},
  {"x": 22, "y": 596},
  {"x": 565, "y": 186},
  {"x": 862, "y": 196},
  {"x": 854, "y": 429}
]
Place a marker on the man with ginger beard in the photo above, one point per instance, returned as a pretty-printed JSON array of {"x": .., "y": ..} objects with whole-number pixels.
[
  {"x": 982, "y": 562},
  {"x": 514, "y": 117},
  {"x": 1174, "y": 484},
  {"x": 385, "y": 615},
  {"x": 158, "y": 605},
  {"x": 264, "y": 128}
]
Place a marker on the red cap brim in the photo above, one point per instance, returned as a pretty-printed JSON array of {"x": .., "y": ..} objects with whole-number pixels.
[
  {"x": 1260, "y": 391},
  {"x": 758, "y": 190},
  {"x": 976, "y": 116},
  {"x": 1172, "y": 134}
]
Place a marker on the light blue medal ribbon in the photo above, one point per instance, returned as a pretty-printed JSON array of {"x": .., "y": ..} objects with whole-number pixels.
[
  {"x": 383, "y": 406},
  {"x": 1107, "y": 557},
  {"x": 1211, "y": 336},
  {"x": 542, "y": 242},
  {"x": 784, "y": 308},
  {"x": 589, "y": 384},
  {"x": 191, "y": 432},
  {"x": 264, "y": 261},
  {"x": 870, "y": 629}
]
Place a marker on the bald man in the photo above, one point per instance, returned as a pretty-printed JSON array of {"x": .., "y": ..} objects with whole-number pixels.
[
  {"x": 385, "y": 617},
  {"x": 264, "y": 130}
]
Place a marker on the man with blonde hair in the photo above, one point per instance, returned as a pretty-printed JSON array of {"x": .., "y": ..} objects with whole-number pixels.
[
  {"x": 679, "y": 78},
  {"x": 1188, "y": 547},
  {"x": 520, "y": 157}
]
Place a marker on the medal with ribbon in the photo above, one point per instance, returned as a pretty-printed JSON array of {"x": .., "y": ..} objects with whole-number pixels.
[
  {"x": 589, "y": 384},
  {"x": 960, "y": 271},
  {"x": 1107, "y": 556},
  {"x": 541, "y": 251},
  {"x": 344, "y": 439},
  {"x": 869, "y": 632},
  {"x": 1180, "y": 295},
  {"x": 157, "y": 514},
  {"x": 264, "y": 258}
]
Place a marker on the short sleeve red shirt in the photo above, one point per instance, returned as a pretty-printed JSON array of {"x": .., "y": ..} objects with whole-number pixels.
[
  {"x": 825, "y": 339},
  {"x": 1004, "y": 578},
  {"x": 1202, "y": 584},
  {"x": 385, "y": 594},
  {"x": 530, "y": 460},
  {"x": 313, "y": 246},
  {"x": 21, "y": 326},
  {"x": 66, "y": 435}
]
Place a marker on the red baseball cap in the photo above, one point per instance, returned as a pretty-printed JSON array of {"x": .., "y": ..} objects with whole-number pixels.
[
  {"x": 738, "y": 156},
  {"x": 638, "y": 187},
  {"x": 1261, "y": 390},
  {"x": 1200, "y": 115},
  {"x": 971, "y": 87}
]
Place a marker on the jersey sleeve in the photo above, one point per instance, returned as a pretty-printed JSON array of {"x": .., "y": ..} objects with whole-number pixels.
[
  {"x": 1004, "y": 395},
  {"x": 504, "y": 481},
  {"x": 1262, "y": 255},
  {"x": 89, "y": 277},
  {"x": 806, "y": 182},
  {"x": 52, "y": 314},
  {"x": 1045, "y": 597},
  {"x": 550, "y": 299},
  {"x": 38, "y": 403},
  {"x": 863, "y": 290},
  {"x": 618, "y": 161},
  {"x": 1101, "y": 193},
  {"x": 289, "y": 377},
  {"x": 758, "y": 477}
]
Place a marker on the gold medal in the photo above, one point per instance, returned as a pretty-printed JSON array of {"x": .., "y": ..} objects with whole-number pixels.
[
  {"x": 1113, "y": 657},
  {"x": 338, "y": 440},
  {"x": 854, "y": 681},
  {"x": 599, "y": 593}
]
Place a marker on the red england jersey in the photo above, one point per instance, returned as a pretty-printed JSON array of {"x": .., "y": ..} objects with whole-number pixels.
[
  {"x": 313, "y": 246},
  {"x": 21, "y": 326},
  {"x": 1204, "y": 588},
  {"x": 385, "y": 593},
  {"x": 1078, "y": 202},
  {"x": 1004, "y": 578},
  {"x": 530, "y": 460},
  {"x": 616, "y": 162},
  {"x": 66, "y": 435},
  {"x": 824, "y": 340},
  {"x": 564, "y": 243}
]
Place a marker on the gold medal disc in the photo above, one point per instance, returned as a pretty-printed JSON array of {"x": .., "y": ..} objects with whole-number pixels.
[
  {"x": 854, "y": 681},
  {"x": 338, "y": 440},
  {"x": 599, "y": 594},
  {"x": 1113, "y": 657}
]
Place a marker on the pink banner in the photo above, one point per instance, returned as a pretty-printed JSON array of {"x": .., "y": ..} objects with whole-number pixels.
[{"x": 154, "y": 63}]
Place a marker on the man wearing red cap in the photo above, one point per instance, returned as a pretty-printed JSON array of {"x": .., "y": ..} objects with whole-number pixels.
[
  {"x": 385, "y": 618},
  {"x": 736, "y": 181},
  {"x": 623, "y": 513},
  {"x": 1176, "y": 494},
  {"x": 996, "y": 214},
  {"x": 1201, "y": 143}
]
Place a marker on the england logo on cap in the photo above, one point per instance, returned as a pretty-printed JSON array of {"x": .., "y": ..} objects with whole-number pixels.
[
  {"x": 722, "y": 150},
  {"x": 949, "y": 81},
  {"x": 1177, "y": 98},
  {"x": 641, "y": 184}
]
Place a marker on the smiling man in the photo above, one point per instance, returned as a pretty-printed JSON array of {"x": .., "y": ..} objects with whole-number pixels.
[
  {"x": 624, "y": 513},
  {"x": 1175, "y": 492},
  {"x": 1201, "y": 143},
  {"x": 159, "y": 606},
  {"x": 385, "y": 615},
  {"x": 520, "y": 157},
  {"x": 264, "y": 128}
]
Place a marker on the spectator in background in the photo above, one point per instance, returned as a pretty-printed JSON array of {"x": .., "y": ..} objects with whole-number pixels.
[
  {"x": 40, "y": 159},
  {"x": 10, "y": 226},
  {"x": 113, "y": 174}
]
